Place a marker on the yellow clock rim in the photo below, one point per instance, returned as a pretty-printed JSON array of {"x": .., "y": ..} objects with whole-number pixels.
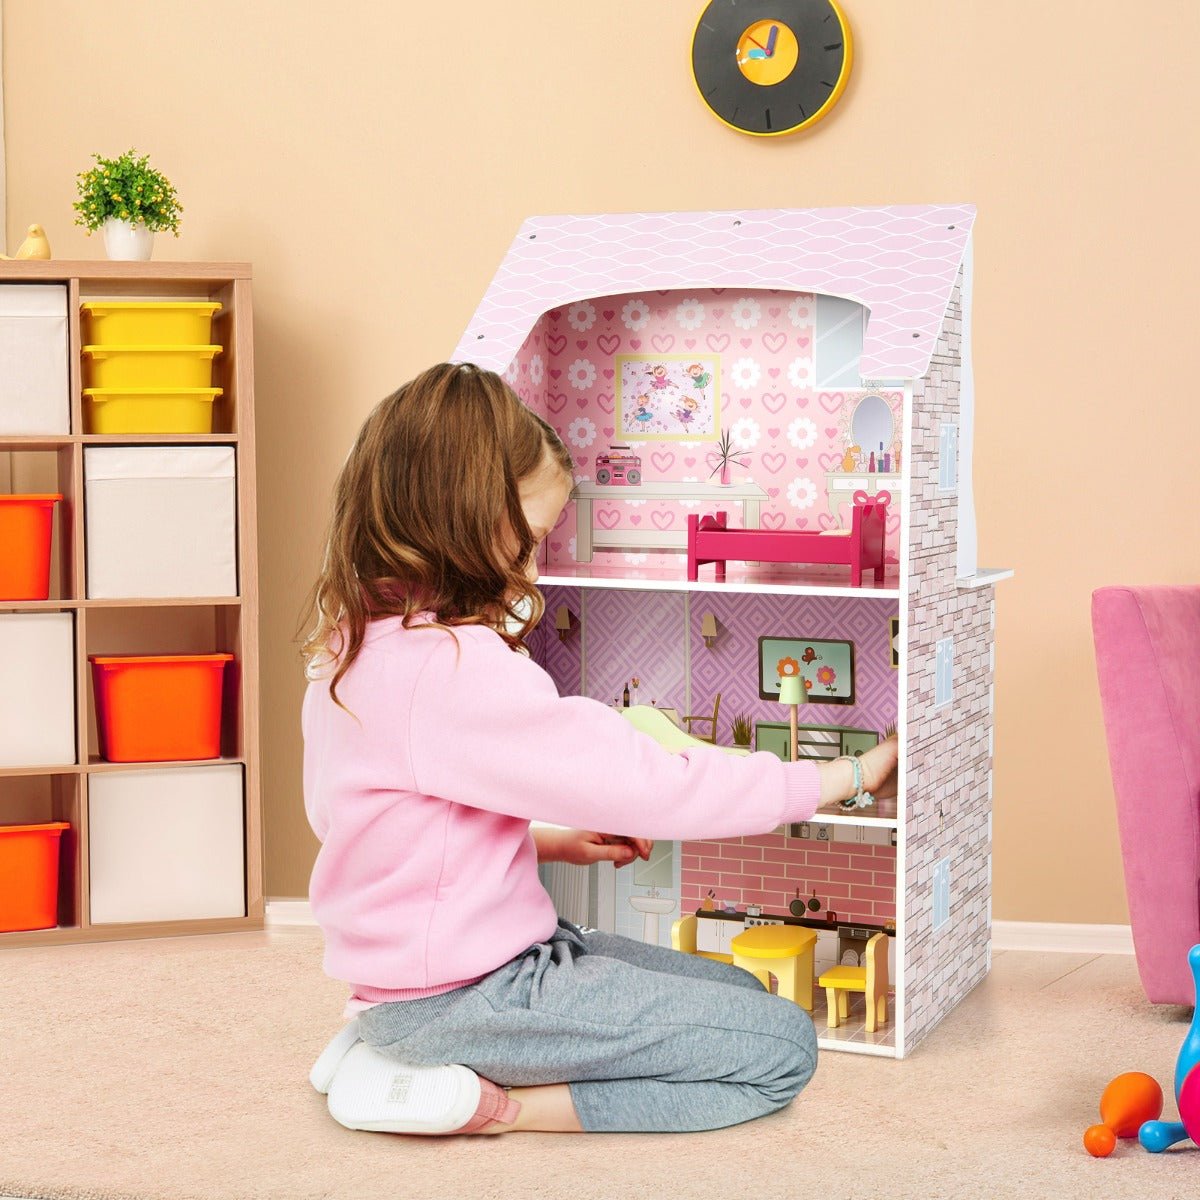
[{"x": 808, "y": 122}]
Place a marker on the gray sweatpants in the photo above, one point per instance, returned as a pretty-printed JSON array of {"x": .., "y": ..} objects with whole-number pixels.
[{"x": 649, "y": 1039}]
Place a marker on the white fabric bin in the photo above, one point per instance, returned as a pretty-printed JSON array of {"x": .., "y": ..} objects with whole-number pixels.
[
  {"x": 35, "y": 388},
  {"x": 37, "y": 689},
  {"x": 161, "y": 521},
  {"x": 166, "y": 845}
]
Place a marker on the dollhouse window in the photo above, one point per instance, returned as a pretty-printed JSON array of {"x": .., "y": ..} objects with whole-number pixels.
[
  {"x": 839, "y": 342},
  {"x": 941, "y": 893},
  {"x": 943, "y": 682},
  {"x": 948, "y": 458}
]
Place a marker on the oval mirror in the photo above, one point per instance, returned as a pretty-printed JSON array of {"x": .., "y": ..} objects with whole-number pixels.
[{"x": 872, "y": 424}]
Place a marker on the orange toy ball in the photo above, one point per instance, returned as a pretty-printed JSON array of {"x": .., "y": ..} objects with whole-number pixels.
[
  {"x": 1130, "y": 1100},
  {"x": 1099, "y": 1141}
]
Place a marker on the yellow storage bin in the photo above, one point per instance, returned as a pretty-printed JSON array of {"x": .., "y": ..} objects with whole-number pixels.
[
  {"x": 148, "y": 322},
  {"x": 169, "y": 367},
  {"x": 149, "y": 410}
]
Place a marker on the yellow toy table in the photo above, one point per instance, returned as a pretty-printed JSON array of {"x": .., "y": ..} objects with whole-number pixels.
[{"x": 786, "y": 951}]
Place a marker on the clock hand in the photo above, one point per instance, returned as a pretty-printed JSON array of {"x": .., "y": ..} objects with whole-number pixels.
[
  {"x": 770, "y": 47},
  {"x": 758, "y": 44}
]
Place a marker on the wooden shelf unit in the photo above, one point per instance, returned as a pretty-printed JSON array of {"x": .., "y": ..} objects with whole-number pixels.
[{"x": 233, "y": 619}]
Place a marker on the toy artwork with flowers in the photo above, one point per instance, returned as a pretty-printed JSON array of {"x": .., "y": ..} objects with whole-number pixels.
[{"x": 861, "y": 547}]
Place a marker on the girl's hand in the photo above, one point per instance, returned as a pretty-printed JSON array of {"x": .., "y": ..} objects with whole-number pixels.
[
  {"x": 582, "y": 848},
  {"x": 636, "y": 847}
]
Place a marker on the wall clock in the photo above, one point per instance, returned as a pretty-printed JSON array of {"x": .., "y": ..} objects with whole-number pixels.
[{"x": 770, "y": 67}]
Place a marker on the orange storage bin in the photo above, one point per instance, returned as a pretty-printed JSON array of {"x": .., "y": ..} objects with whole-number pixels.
[
  {"x": 159, "y": 708},
  {"x": 26, "y": 526},
  {"x": 29, "y": 868}
]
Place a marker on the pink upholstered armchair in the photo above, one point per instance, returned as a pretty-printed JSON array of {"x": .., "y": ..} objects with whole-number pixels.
[{"x": 1148, "y": 661}]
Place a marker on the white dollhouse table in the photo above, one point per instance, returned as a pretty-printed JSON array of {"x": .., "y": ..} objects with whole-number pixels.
[
  {"x": 588, "y": 538},
  {"x": 841, "y": 486}
]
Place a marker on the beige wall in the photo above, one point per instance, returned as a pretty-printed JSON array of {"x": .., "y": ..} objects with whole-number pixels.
[{"x": 374, "y": 165}]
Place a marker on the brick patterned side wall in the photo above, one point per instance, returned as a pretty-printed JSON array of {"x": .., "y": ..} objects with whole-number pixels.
[
  {"x": 857, "y": 881},
  {"x": 948, "y": 748}
]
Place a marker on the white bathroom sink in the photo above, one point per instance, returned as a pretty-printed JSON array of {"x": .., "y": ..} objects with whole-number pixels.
[{"x": 652, "y": 904}]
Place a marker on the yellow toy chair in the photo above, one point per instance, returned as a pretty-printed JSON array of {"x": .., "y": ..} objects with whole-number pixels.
[
  {"x": 785, "y": 951},
  {"x": 871, "y": 980},
  {"x": 705, "y": 720},
  {"x": 683, "y": 935}
]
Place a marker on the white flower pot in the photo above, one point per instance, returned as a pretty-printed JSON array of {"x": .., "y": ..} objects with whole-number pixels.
[{"x": 126, "y": 242}]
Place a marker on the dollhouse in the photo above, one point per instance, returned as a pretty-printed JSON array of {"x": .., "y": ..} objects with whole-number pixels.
[{"x": 782, "y": 368}]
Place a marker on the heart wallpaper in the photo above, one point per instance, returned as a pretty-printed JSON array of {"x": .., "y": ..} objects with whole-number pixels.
[{"x": 754, "y": 352}]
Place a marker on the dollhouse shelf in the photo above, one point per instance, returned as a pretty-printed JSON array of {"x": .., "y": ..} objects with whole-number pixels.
[
  {"x": 985, "y": 577},
  {"x": 885, "y": 816},
  {"x": 764, "y": 579},
  {"x": 589, "y": 536}
]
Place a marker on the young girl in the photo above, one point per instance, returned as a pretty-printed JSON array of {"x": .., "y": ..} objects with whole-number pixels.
[{"x": 432, "y": 739}]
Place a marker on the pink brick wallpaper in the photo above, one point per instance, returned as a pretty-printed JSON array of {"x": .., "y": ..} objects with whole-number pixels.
[{"x": 857, "y": 881}]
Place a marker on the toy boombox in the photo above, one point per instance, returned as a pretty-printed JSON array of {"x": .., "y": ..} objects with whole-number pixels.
[{"x": 620, "y": 466}]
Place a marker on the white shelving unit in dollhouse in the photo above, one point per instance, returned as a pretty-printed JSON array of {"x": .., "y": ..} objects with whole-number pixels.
[
  {"x": 833, "y": 347},
  {"x": 148, "y": 848}
]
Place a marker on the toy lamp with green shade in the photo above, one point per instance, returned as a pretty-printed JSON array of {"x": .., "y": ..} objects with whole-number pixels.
[{"x": 793, "y": 693}]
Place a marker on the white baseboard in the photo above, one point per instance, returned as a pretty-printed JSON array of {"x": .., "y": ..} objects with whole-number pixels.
[
  {"x": 1048, "y": 936},
  {"x": 288, "y": 912},
  {"x": 1062, "y": 939}
]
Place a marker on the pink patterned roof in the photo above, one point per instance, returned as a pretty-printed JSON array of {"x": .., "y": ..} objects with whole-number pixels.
[{"x": 900, "y": 261}]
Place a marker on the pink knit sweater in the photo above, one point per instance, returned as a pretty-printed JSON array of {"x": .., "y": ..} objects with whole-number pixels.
[{"x": 426, "y": 879}]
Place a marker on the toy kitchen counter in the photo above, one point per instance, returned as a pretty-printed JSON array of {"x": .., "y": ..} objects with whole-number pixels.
[{"x": 716, "y": 928}]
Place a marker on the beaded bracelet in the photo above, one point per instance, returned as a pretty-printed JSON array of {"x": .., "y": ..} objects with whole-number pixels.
[{"x": 860, "y": 799}]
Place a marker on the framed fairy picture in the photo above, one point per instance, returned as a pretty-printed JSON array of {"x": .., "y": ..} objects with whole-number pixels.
[
  {"x": 668, "y": 397},
  {"x": 827, "y": 668}
]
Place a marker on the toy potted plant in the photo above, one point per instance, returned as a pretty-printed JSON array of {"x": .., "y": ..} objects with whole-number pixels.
[
  {"x": 741, "y": 730},
  {"x": 130, "y": 201},
  {"x": 726, "y": 456}
]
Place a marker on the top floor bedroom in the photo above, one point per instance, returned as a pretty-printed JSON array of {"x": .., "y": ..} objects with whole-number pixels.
[{"x": 760, "y": 363}]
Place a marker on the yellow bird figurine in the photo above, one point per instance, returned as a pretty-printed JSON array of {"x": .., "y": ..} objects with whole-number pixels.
[{"x": 35, "y": 245}]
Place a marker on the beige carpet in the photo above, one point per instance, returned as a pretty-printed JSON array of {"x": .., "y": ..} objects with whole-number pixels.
[{"x": 177, "y": 1070}]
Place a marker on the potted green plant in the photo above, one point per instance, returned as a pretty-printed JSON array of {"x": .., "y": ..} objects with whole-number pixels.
[
  {"x": 742, "y": 730},
  {"x": 726, "y": 455},
  {"x": 130, "y": 201}
]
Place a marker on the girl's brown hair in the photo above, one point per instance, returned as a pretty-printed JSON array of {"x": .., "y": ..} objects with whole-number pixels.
[{"x": 425, "y": 512}]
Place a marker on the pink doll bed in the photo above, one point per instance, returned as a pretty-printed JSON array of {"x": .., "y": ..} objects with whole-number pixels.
[{"x": 860, "y": 547}]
